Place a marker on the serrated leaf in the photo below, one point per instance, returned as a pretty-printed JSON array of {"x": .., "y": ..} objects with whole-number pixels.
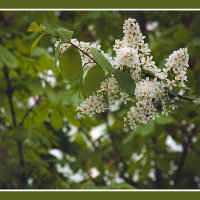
[
  {"x": 64, "y": 34},
  {"x": 7, "y": 58},
  {"x": 36, "y": 42},
  {"x": 93, "y": 80},
  {"x": 125, "y": 82},
  {"x": 56, "y": 119},
  {"x": 34, "y": 27},
  {"x": 101, "y": 60},
  {"x": 71, "y": 64},
  {"x": 42, "y": 113}
]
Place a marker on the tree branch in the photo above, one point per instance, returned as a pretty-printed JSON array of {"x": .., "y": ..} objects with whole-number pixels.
[
  {"x": 186, "y": 144},
  {"x": 158, "y": 174},
  {"x": 9, "y": 92},
  {"x": 27, "y": 114},
  {"x": 181, "y": 96},
  {"x": 181, "y": 165}
]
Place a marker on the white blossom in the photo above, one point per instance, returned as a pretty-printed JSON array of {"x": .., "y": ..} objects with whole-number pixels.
[
  {"x": 177, "y": 65},
  {"x": 92, "y": 105},
  {"x": 150, "y": 98},
  {"x": 147, "y": 91},
  {"x": 128, "y": 57}
]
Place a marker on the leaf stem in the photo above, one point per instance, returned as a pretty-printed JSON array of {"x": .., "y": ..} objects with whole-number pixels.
[{"x": 85, "y": 53}]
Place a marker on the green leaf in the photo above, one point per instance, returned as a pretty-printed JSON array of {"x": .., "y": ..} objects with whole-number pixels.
[
  {"x": 7, "y": 58},
  {"x": 125, "y": 82},
  {"x": 135, "y": 165},
  {"x": 71, "y": 64},
  {"x": 36, "y": 42},
  {"x": 56, "y": 119},
  {"x": 45, "y": 62},
  {"x": 79, "y": 139},
  {"x": 39, "y": 51},
  {"x": 145, "y": 129},
  {"x": 64, "y": 34},
  {"x": 93, "y": 80},
  {"x": 194, "y": 42},
  {"x": 34, "y": 27},
  {"x": 42, "y": 112},
  {"x": 52, "y": 95},
  {"x": 20, "y": 133},
  {"x": 101, "y": 60},
  {"x": 71, "y": 116},
  {"x": 163, "y": 120},
  {"x": 128, "y": 139}
]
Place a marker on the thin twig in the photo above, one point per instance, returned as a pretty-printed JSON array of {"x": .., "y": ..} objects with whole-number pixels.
[
  {"x": 181, "y": 96},
  {"x": 85, "y": 53},
  {"x": 27, "y": 114}
]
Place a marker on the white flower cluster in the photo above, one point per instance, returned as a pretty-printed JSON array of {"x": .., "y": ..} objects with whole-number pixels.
[
  {"x": 134, "y": 53},
  {"x": 176, "y": 66},
  {"x": 92, "y": 105},
  {"x": 152, "y": 84},
  {"x": 106, "y": 98},
  {"x": 149, "y": 94},
  {"x": 147, "y": 91}
]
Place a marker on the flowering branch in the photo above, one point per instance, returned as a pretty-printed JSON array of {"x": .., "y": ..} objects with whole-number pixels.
[
  {"x": 85, "y": 53},
  {"x": 149, "y": 84}
]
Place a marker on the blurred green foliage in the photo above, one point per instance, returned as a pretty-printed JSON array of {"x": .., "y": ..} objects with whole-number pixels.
[{"x": 42, "y": 142}]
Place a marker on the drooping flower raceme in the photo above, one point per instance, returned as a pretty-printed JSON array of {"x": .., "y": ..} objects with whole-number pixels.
[
  {"x": 92, "y": 105},
  {"x": 149, "y": 94},
  {"x": 152, "y": 85},
  {"x": 177, "y": 65},
  {"x": 106, "y": 98}
]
